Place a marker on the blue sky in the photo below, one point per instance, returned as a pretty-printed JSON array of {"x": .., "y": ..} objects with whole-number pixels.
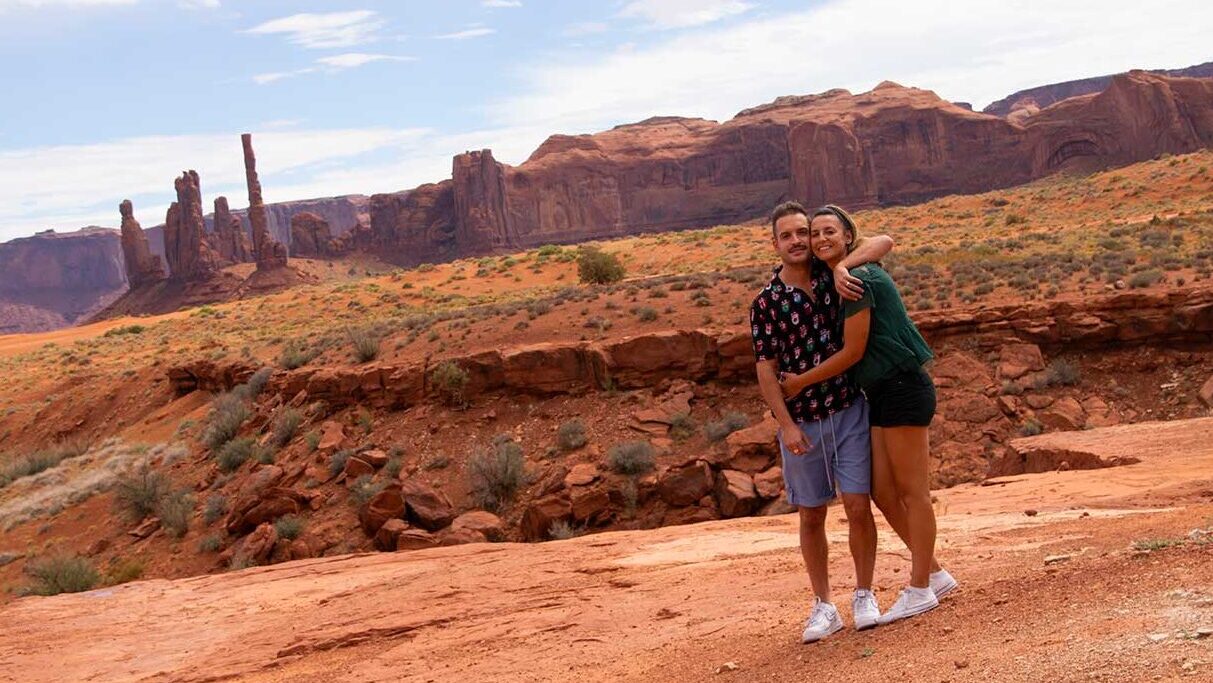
[{"x": 110, "y": 99}]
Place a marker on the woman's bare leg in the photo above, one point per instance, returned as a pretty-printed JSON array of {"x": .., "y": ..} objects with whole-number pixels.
[
  {"x": 907, "y": 455},
  {"x": 885, "y": 494}
]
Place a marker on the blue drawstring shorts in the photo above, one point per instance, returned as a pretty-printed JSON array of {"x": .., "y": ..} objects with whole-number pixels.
[{"x": 839, "y": 458}]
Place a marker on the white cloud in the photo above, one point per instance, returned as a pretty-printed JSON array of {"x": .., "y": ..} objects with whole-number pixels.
[
  {"x": 467, "y": 33},
  {"x": 199, "y": 4},
  {"x": 262, "y": 79},
  {"x": 38, "y": 4},
  {"x": 665, "y": 14},
  {"x": 329, "y": 30},
  {"x": 981, "y": 54},
  {"x": 585, "y": 28},
  {"x": 501, "y": 3},
  {"x": 350, "y": 60}
]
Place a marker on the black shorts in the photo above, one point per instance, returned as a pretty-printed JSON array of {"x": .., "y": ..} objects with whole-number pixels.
[{"x": 906, "y": 399}]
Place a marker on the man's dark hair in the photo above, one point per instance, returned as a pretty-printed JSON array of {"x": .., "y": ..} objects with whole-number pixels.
[{"x": 786, "y": 209}]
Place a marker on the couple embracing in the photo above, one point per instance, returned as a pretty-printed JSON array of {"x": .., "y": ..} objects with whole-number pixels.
[{"x": 841, "y": 366}]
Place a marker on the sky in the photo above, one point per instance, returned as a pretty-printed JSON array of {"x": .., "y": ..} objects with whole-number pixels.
[{"x": 108, "y": 100}]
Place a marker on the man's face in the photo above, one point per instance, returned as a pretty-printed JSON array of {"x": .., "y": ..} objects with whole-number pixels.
[{"x": 791, "y": 239}]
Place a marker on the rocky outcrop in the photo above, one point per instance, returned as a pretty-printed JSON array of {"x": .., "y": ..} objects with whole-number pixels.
[
  {"x": 189, "y": 256},
  {"x": 141, "y": 267},
  {"x": 59, "y": 276},
  {"x": 310, "y": 235},
  {"x": 270, "y": 253},
  {"x": 231, "y": 241},
  {"x": 893, "y": 145},
  {"x": 1044, "y": 95}
]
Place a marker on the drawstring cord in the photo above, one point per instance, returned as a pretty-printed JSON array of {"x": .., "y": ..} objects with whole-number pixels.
[{"x": 825, "y": 457}]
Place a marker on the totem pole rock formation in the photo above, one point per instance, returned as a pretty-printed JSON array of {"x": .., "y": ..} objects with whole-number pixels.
[
  {"x": 189, "y": 256},
  {"x": 232, "y": 242},
  {"x": 141, "y": 267},
  {"x": 269, "y": 252}
]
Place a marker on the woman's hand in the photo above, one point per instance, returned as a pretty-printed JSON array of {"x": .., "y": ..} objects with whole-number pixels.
[
  {"x": 849, "y": 287},
  {"x": 790, "y": 384}
]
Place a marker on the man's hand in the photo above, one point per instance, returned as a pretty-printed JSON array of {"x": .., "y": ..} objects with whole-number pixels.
[
  {"x": 849, "y": 287},
  {"x": 793, "y": 439},
  {"x": 790, "y": 384}
]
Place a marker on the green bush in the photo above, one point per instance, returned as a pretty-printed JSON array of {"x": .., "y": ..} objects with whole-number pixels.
[
  {"x": 215, "y": 507},
  {"x": 337, "y": 462},
  {"x": 210, "y": 543},
  {"x": 286, "y": 424},
  {"x": 631, "y": 457},
  {"x": 62, "y": 574},
  {"x": 124, "y": 571},
  {"x": 124, "y": 330},
  {"x": 1145, "y": 278},
  {"x": 296, "y": 354},
  {"x": 228, "y": 413},
  {"x": 496, "y": 475},
  {"x": 449, "y": 382},
  {"x": 289, "y": 526},
  {"x": 251, "y": 389},
  {"x": 1063, "y": 373},
  {"x": 682, "y": 426},
  {"x": 365, "y": 342},
  {"x": 571, "y": 435},
  {"x": 595, "y": 266},
  {"x": 40, "y": 461},
  {"x": 234, "y": 453},
  {"x": 1031, "y": 427},
  {"x": 139, "y": 492},
  {"x": 731, "y": 422},
  {"x": 174, "y": 510},
  {"x": 646, "y": 314}
]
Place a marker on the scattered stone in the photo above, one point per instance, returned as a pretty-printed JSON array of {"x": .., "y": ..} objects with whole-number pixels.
[
  {"x": 376, "y": 458},
  {"x": 332, "y": 436},
  {"x": 961, "y": 663},
  {"x": 385, "y": 538},
  {"x": 1031, "y": 513},
  {"x": 735, "y": 493},
  {"x": 1064, "y": 414},
  {"x": 481, "y": 521},
  {"x": 1206, "y": 393},
  {"x": 356, "y": 467},
  {"x": 1055, "y": 559},
  {"x": 727, "y": 666},
  {"x": 769, "y": 484},
  {"x": 428, "y": 507},
  {"x": 146, "y": 528},
  {"x": 754, "y": 448},
  {"x": 387, "y": 504},
  {"x": 415, "y": 539},
  {"x": 1017, "y": 360},
  {"x": 582, "y": 475},
  {"x": 683, "y": 486}
]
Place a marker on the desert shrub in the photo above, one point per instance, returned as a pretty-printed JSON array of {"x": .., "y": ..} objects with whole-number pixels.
[
  {"x": 571, "y": 435},
  {"x": 364, "y": 489},
  {"x": 496, "y": 475},
  {"x": 251, "y": 389},
  {"x": 337, "y": 462},
  {"x": 393, "y": 466},
  {"x": 62, "y": 574},
  {"x": 595, "y": 266},
  {"x": 124, "y": 571},
  {"x": 228, "y": 412},
  {"x": 286, "y": 424},
  {"x": 289, "y": 526},
  {"x": 1062, "y": 373},
  {"x": 210, "y": 543},
  {"x": 646, "y": 314},
  {"x": 449, "y": 381},
  {"x": 731, "y": 422},
  {"x": 233, "y": 453},
  {"x": 312, "y": 439},
  {"x": 562, "y": 530},
  {"x": 1015, "y": 219},
  {"x": 1145, "y": 278},
  {"x": 174, "y": 510},
  {"x": 682, "y": 426},
  {"x": 631, "y": 457},
  {"x": 40, "y": 461},
  {"x": 1031, "y": 427},
  {"x": 124, "y": 330},
  {"x": 214, "y": 508},
  {"x": 138, "y": 492},
  {"x": 365, "y": 342},
  {"x": 701, "y": 298},
  {"x": 296, "y": 354}
]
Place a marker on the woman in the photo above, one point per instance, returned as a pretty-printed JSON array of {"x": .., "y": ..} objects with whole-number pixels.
[{"x": 888, "y": 354}]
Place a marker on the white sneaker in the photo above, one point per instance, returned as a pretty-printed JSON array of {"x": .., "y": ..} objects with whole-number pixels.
[
  {"x": 864, "y": 609},
  {"x": 822, "y": 622},
  {"x": 912, "y": 601},
  {"x": 942, "y": 583}
]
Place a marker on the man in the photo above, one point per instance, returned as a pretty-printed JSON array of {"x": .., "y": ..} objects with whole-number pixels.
[{"x": 823, "y": 431}]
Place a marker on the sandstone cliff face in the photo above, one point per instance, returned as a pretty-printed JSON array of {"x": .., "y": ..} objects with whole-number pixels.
[
  {"x": 1046, "y": 95},
  {"x": 141, "y": 267},
  {"x": 893, "y": 145},
  {"x": 310, "y": 235},
  {"x": 52, "y": 276}
]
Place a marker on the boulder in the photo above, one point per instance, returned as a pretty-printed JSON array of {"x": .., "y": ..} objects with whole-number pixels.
[
  {"x": 385, "y": 538},
  {"x": 385, "y": 505},
  {"x": 483, "y": 522},
  {"x": 332, "y": 436},
  {"x": 254, "y": 549},
  {"x": 540, "y": 514},
  {"x": 1017, "y": 360},
  {"x": 1065, "y": 414},
  {"x": 689, "y": 515},
  {"x": 1206, "y": 393},
  {"x": 551, "y": 482},
  {"x": 581, "y": 475},
  {"x": 375, "y": 458},
  {"x": 356, "y": 467},
  {"x": 754, "y": 448},
  {"x": 735, "y": 493},
  {"x": 415, "y": 539},
  {"x": 590, "y": 505},
  {"x": 958, "y": 370},
  {"x": 769, "y": 484},
  {"x": 685, "y": 485},
  {"x": 452, "y": 536},
  {"x": 428, "y": 507}
]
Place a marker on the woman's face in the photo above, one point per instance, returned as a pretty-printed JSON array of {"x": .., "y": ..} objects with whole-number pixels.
[{"x": 828, "y": 238}]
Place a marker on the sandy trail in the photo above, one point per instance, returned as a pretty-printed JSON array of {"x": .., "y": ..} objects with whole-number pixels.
[{"x": 676, "y": 603}]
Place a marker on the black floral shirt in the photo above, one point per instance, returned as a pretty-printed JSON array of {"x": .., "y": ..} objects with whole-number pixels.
[{"x": 789, "y": 326}]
